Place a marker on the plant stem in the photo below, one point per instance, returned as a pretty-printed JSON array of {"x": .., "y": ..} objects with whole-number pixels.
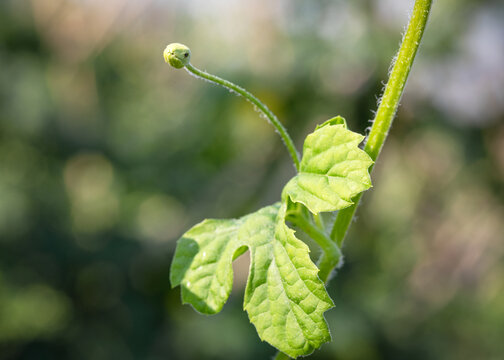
[
  {"x": 388, "y": 105},
  {"x": 319, "y": 221},
  {"x": 257, "y": 103}
]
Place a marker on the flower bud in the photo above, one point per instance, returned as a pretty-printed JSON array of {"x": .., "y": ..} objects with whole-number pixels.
[{"x": 177, "y": 55}]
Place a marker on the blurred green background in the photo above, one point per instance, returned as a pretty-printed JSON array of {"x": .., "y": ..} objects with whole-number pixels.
[{"x": 107, "y": 155}]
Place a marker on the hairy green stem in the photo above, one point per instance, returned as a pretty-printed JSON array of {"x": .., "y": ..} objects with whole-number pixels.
[
  {"x": 388, "y": 105},
  {"x": 255, "y": 101}
]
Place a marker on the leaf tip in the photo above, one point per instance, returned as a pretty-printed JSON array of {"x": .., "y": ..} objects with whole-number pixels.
[{"x": 337, "y": 120}]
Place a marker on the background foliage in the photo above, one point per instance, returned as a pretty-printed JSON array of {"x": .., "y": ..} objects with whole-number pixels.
[{"x": 107, "y": 155}]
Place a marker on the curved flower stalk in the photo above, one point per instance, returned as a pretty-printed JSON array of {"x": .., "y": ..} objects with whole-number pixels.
[{"x": 179, "y": 56}]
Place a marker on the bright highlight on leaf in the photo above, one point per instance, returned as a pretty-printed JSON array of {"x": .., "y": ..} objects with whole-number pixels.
[
  {"x": 284, "y": 297},
  {"x": 333, "y": 169}
]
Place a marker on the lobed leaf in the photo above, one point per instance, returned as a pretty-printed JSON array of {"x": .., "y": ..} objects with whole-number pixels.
[
  {"x": 333, "y": 169},
  {"x": 284, "y": 297}
]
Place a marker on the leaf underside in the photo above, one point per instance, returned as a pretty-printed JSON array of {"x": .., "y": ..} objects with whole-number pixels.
[
  {"x": 333, "y": 169},
  {"x": 284, "y": 297}
]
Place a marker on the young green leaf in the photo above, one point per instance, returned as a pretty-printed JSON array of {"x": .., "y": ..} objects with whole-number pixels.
[
  {"x": 333, "y": 169},
  {"x": 284, "y": 297},
  {"x": 337, "y": 120}
]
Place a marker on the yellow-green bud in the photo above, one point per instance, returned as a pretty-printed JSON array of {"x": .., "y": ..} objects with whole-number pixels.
[{"x": 177, "y": 55}]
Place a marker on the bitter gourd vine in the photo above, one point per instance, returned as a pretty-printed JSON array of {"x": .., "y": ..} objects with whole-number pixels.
[{"x": 285, "y": 296}]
